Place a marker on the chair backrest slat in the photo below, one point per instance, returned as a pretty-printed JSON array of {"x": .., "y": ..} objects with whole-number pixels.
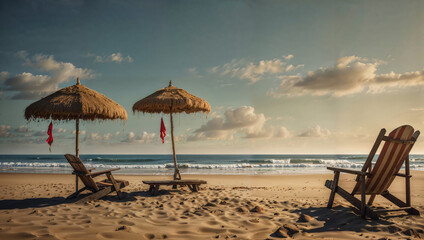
[
  {"x": 79, "y": 168},
  {"x": 391, "y": 158}
]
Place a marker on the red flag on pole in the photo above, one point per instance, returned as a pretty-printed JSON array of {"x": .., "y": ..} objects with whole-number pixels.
[
  {"x": 162, "y": 130},
  {"x": 50, "y": 133}
]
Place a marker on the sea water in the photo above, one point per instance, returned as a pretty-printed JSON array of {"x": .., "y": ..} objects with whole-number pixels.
[{"x": 194, "y": 164}]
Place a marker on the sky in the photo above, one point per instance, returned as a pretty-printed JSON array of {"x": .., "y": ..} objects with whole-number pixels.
[{"x": 282, "y": 77}]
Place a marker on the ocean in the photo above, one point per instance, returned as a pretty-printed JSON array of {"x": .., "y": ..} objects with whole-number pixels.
[{"x": 193, "y": 164}]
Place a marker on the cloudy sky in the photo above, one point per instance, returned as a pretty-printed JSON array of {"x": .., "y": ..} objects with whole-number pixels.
[{"x": 280, "y": 76}]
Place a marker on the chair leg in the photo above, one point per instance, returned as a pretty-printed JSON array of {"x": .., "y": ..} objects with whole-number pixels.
[
  {"x": 356, "y": 202},
  {"x": 363, "y": 198},
  {"x": 193, "y": 187},
  {"x": 156, "y": 190},
  {"x": 333, "y": 190},
  {"x": 407, "y": 183},
  {"x": 115, "y": 185},
  {"x": 400, "y": 203},
  {"x": 371, "y": 200},
  {"x": 75, "y": 194},
  {"x": 151, "y": 189},
  {"x": 76, "y": 183},
  {"x": 95, "y": 196}
]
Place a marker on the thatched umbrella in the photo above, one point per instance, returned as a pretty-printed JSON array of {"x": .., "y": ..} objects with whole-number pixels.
[
  {"x": 74, "y": 103},
  {"x": 172, "y": 100}
]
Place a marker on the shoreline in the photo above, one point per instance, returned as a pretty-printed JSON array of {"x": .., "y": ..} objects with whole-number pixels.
[
  {"x": 194, "y": 164},
  {"x": 32, "y": 206}
]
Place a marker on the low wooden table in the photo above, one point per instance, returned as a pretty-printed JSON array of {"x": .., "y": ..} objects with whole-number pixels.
[{"x": 192, "y": 184}]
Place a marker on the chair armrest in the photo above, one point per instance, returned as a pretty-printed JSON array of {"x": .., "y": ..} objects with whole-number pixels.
[
  {"x": 95, "y": 174},
  {"x": 91, "y": 169},
  {"x": 403, "y": 175},
  {"x": 348, "y": 171}
]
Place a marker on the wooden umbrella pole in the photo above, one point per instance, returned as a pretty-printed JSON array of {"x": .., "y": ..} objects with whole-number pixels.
[
  {"x": 77, "y": 138},
  {"x": 177, "y": 175},
  {"x": 76, "y": 150}
]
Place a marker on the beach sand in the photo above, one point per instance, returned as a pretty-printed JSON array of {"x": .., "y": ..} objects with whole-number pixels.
[{"x": 32, "y": 207}]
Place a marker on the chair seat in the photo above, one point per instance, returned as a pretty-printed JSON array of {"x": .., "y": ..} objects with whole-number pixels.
[{"x": 106, "y": 183}]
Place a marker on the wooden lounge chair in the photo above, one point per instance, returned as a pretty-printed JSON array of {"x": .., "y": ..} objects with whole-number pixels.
[
  {"x": 99, "y": 189},
  {"x": 192, "y": 184},
  {"x": 376, "y": 180}
]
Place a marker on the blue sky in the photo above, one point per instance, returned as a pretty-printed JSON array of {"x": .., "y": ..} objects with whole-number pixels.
[{"x": 281, "y": 76}]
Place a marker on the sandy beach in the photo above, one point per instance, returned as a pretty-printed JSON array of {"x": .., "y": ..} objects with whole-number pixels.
[{"x": 32, "y": 206}]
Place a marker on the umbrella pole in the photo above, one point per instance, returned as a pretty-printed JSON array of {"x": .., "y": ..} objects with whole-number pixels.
[
  {"x": 177, "y": 175},
  {"x": 77, "y": 138},
  {"x": 76, "y": 150}
]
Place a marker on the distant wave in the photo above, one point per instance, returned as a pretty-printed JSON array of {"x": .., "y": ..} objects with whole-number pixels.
[
  {"x": 121, "y": 160},
  {"x": 416, "y": 160},
  {"x": 44, "y": 158},
  {"x": 296, "y": 161},
  {"x": 354, "y": 157},
  {"x": 275, "y": 165}
]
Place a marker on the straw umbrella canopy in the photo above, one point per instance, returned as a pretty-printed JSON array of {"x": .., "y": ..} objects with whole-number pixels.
[
  {"x": 172, "y": 100},
  {"x": 74, "y": 103}
]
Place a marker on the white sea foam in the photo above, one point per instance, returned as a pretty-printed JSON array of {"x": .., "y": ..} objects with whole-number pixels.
[
  {"x": 283, "y": 164},
  {"x": 284, "y": 161}
]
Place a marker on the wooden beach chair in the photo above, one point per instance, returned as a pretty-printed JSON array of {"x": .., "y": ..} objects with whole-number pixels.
[
  {"x": 376, "y": 180},
  {"x": 99, "y": 189}
]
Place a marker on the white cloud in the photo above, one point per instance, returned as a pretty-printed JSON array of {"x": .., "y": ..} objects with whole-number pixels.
[
  {"x": 98, "y": 59},
  {"x": 254, "y": 71},
  {"x": 351, "y": 74},
  {"x": 114, "y": 57},
  {"x": 282, "y": 132},
  {"x": 259, "y": 133},
  {"x": 344, "y": 61},
  {"x": 288, "y": 57},
  {"x": 40, "y": 133},
  {"x": 3, "y": 75},
  {"x": 194, "y": 72},
  {"x": 291, "y": 67},
  {"x": 60, "y": 130},
  {"x": 242, "y": 120},
  {"x": 5, "y": 130},
  {"x": 181, "y": 138},
  {"x": 21, "y": 54},
  {"x": 220, "y": 128},
  {"x": 391, "y": 80},
  {"x": 22, "y": 129},
  {"x": 97, "y": 137},
  {"x": 316, "y": 131},
  {"x": 81, "y": 132},
  {"x": 244, "y": 116},
  {"x": 29, "y": 86},
  {"x": 143, "y": 138}
]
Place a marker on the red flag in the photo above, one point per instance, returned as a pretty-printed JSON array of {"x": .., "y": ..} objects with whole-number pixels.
[
  {"x": 162, "y": 130},
  {"x": 50, "y": 133}
]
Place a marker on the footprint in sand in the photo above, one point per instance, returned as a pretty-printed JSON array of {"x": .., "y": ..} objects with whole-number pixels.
[
  {"x": 18, "y": 235},
  {"x": 212, "y": 230},
  {"x": 149, "y": 235},
  {"x": 125, "y": 222},
  {"x": 213, "y": 222}
]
